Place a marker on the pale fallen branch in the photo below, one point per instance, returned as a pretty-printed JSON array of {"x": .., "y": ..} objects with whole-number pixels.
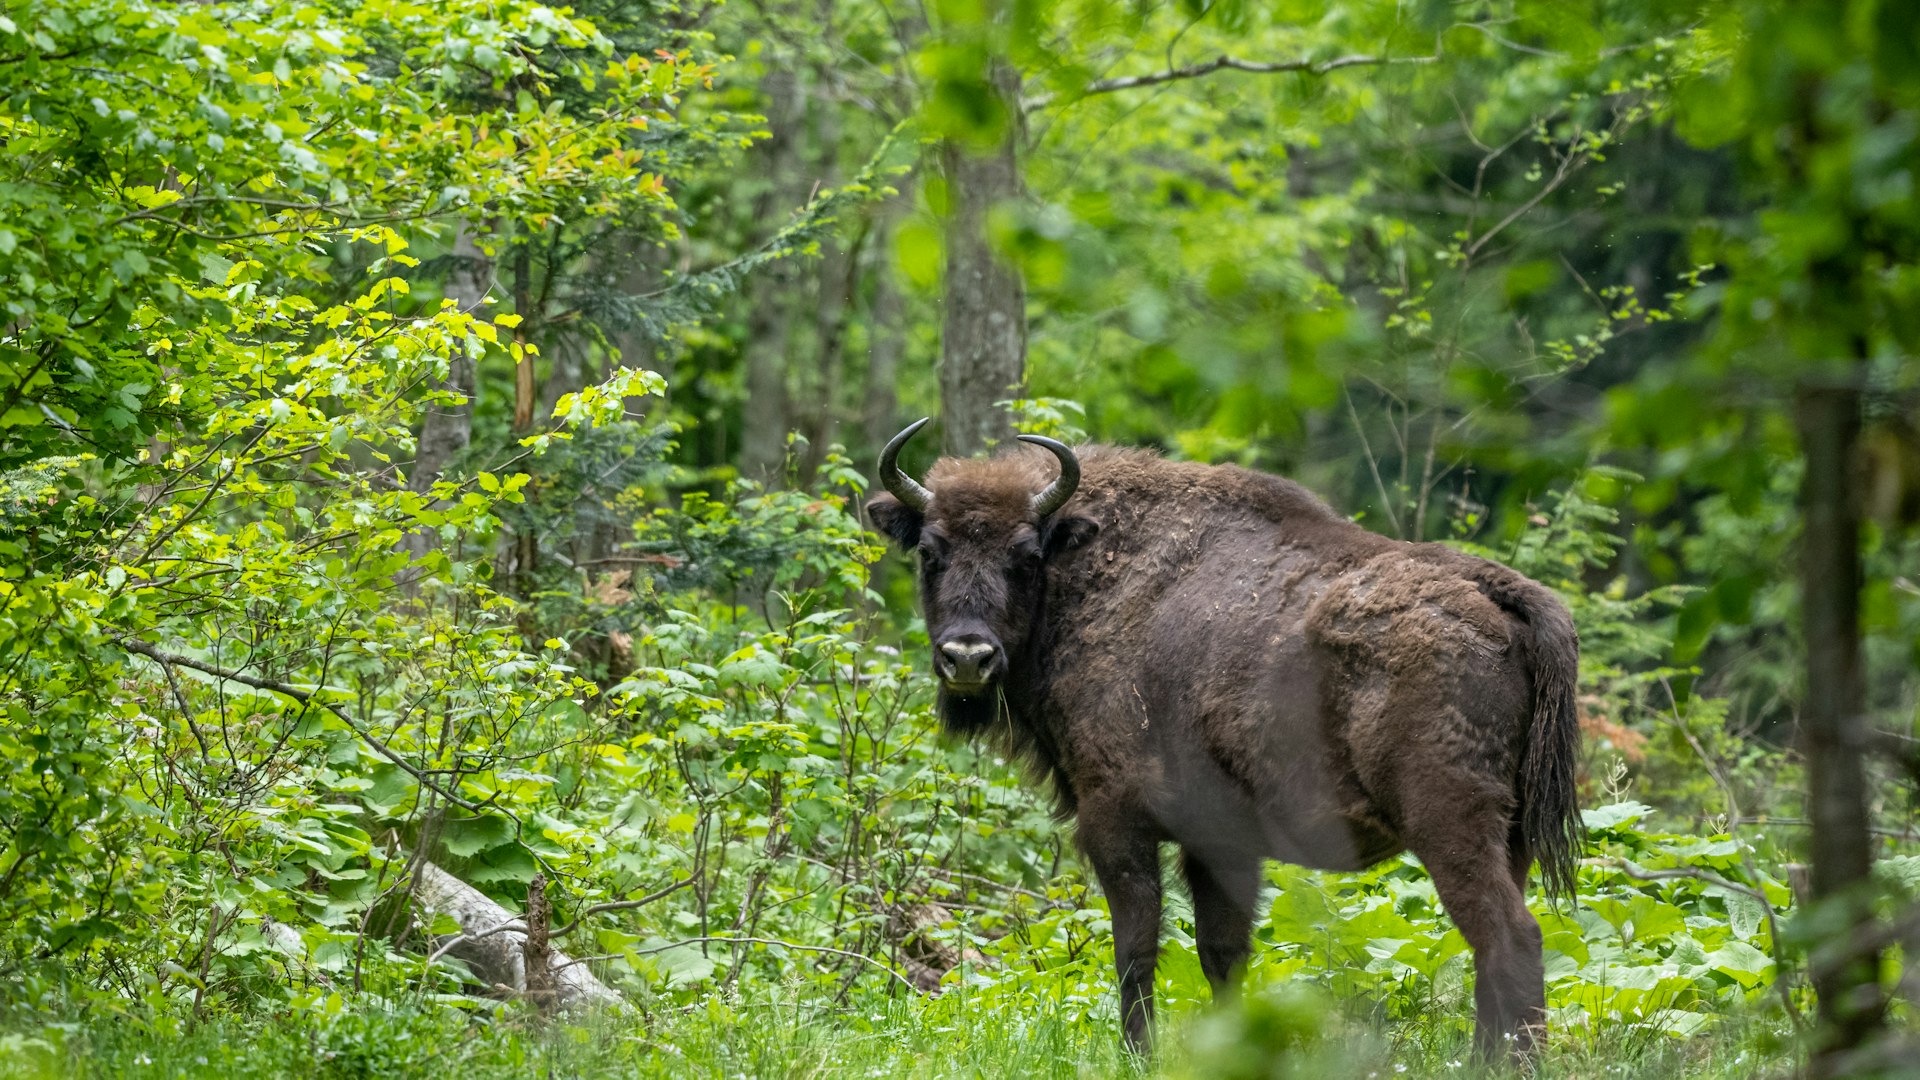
[
  {"x": 928, "y": 957},
  {"x": 1773, "y": 925},
  {"x": 1690, "y": 873},
  {"x": 492, "y": 942}
]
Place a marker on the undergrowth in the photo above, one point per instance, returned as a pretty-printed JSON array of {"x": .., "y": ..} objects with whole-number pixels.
[{"x": 785, "y": 1032}]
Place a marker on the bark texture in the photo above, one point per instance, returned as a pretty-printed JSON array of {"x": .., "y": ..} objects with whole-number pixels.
[
  {"x": 537, "y": 954},
  {"x": 840, "y": 271},
  {"x": 447, "y": 428},
  {"x": 1833, "y": 724},
  {"x": 763, "y": 439},
  {"x": 983, "y": 333},
  {"x": 498, "y": 956},
  {"x": 886, "y": 343},
  {"x": 524, "y": 390}
]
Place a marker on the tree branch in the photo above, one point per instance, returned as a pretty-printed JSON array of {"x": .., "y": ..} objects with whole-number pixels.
[
  {"x": 1903, "y": 749},
  {"x": 621, "y": 905},
  {"x": 1222, "y": 63},
  {"x": 513, "y": 925},
  {"x": 864, "y": 958},
  {"x": 1690, "y": 873},
  {"x": 304, "y": 697}
]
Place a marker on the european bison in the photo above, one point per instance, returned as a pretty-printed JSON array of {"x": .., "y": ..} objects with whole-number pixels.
[{"x": 1211, "y": 656}]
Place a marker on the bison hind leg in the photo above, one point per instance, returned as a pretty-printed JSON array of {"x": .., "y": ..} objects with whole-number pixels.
[
  {"x": 1469, "y": 853},
  {"x": 1224, "y": 887}
]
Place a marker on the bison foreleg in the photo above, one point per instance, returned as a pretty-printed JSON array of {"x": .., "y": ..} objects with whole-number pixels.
[
  {"x": 1128, "y": 866},
  {"x": 1224, "y": 889}
]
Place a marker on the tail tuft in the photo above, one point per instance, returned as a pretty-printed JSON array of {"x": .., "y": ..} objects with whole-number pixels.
[{"x": 1549, "y": 803}]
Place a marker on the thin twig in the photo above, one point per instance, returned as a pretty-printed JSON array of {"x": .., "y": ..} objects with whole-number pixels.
[
  {"x": 304, "y": 697},
  {"x": 588, "y": 960},
  {"x": 1903, "y": 749},
  {"x": 1222, "y": 63},
  {"x": 706, "y": 939},
  {"x": 621, "y": 905},
  {"x": 186, "y": 711},
  {"x": 217, "y": 923},
  {"x": 1803, "y": 823},
  {"x": 1746, "y": 857},
  {"x": 1373, "y": 465},
  {"x": 513, "y": 924}
]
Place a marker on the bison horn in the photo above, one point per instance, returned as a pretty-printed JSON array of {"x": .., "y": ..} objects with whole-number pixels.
[
  {"x": 904, "y": 487},
  {"x": 1057, "y": 493}
]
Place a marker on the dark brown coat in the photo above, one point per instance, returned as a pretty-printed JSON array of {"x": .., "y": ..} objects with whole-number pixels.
[{"x": 1211, "y": 656}]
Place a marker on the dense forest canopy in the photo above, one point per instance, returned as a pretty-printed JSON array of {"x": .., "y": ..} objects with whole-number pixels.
[{"x": 432, "y": 439}]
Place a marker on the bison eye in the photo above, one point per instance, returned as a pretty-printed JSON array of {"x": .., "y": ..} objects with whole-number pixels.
[{"x": 932, "y": 560}]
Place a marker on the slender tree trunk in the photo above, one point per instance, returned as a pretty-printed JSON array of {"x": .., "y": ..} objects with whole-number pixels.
[
  {"x": 763, "y": 440},
  {"x": 525, "y": 542},
  {"x": 537, "y": 953},
  {"x": 447, "y": 429},
  {"x": 886, "y": 335},
  {"x": 1833, "y": 725},
  {"x": 839, "y": 277},
  {"x": 834, "y": 274},
  {"x": 642, "y": 272},
  {"x": 524, "y": 392},
  {"x": 983, "y": 335},
  {"x": 567, "y": 376}
]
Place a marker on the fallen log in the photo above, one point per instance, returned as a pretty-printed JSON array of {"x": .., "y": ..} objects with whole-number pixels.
[{"x": 492, "y": 942}]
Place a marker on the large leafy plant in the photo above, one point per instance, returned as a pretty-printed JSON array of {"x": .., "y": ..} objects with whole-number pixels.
[{"x": 225, "y": 670}]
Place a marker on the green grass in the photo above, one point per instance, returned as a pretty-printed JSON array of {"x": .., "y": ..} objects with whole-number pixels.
[{"x": 1286, "y": 1034}]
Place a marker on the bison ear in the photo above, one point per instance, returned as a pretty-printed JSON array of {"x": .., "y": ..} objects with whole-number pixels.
[
  {"x": 1068, "y": 533},
  {"x": 899, "y": 522}
]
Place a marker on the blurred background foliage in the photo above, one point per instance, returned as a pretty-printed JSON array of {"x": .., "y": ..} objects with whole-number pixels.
[{"x": 433, "y": 435}]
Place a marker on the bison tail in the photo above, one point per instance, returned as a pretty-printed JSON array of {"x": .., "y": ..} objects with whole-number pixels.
[{"x": 1550, "y": 822}]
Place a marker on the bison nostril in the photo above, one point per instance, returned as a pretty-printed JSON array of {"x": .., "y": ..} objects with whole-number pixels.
[{"x": 968, "y": 660}]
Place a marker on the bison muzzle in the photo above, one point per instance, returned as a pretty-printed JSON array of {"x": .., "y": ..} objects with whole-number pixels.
[{"x": 1210, "y": 656}]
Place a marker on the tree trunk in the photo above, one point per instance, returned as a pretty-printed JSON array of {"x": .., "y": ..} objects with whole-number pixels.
[
  {"x": 498, "y": 957},
  {"x": 983, "y": 336},
  {"x": 567, "y": 376},
  {"x": 446, "y": 429},
  {"x": 524, "y": 392},
  {"x": 886, "y": 337},
  {"x": 839, "y": 278},
  {"x": 835, "y": 273},
  {"x": 537, "y": 954},
  {"x": 1832, "y": 723},
  {"x": 642, "y": 270},
  {"x": 767, "y": 416}
]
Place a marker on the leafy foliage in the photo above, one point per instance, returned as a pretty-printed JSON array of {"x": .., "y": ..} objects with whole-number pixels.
[{"x": 1497, "y": 273}]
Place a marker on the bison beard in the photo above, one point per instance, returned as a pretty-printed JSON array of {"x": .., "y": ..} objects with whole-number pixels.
[{"x": 1211, "y": 657}]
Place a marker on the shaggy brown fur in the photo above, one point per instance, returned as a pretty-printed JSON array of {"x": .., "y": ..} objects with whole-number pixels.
[{"x": 1211, "y": 656}]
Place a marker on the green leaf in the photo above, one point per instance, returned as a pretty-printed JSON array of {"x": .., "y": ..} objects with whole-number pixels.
[
  {"x": 467, "y": 837},
  {"x": 1614, "y": 815}
]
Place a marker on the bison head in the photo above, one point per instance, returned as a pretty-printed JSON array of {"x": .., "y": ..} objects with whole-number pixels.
[{"x": 984, "y": 531}]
